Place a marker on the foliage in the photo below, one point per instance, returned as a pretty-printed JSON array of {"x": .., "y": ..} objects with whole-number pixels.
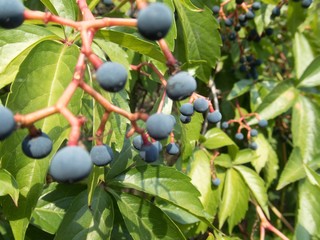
[{"x": 176, "y": 196}]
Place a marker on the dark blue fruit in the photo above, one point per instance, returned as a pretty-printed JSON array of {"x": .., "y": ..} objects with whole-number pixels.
[
  {"x": 137, "y": 142},
  {"x": 108, "y": 3},
  {"x": 306, "y": 3},
  {"x": 201, "y": 105},
  {"x": 215, "y": 9},
  {"x": 185, "y": 119},
  {"x": 180, "y": 86},
  {"x": 228, "y": 22},
  {"x": 239, "y": 1},
  {"x": 253, "y": 132},
  {"x": 154, "y": 21},
  {"x": 224, "y": 125},
  {"x": 256, "y": 5},
  {"x": 242, "y": 18},
  {"x": 232, "y": 36},
  {"x": 269, "y": 31},
  {"x": 214, "y": 117},
  {"x": 158, "y": 145},
  {"x": 239, "y": 136},
  {"x": 275, "y": 12},
  {"x": 216, "y": 182},
  {"x": 172, "y": 149},
  {"x": 101, "y": 155},
  {"x": 112, "y": 76},
  {"x": 149, "y": 153},
  {"x": 263, "y": 123},
  {"x": 70, "y": 164},
  {"x": 7, "y": 123},
  {"x": 237, "y": 27},
  {"x": 250, "y": 15},
  {"x": 187, "y": 109},
  {"x": 253, "y": 145},
  {"x": 159, "y": 126},
  {"x": 11, "y": 13},
  {"x": 37, "y": 147}
]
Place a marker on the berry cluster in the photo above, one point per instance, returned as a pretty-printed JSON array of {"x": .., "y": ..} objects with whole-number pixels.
[
  {"x": 201, "y": 105},
  {"x": 73, "y": 162},
  {"x": 248, "y": 66},
  {"x": 251, "y": 132}
]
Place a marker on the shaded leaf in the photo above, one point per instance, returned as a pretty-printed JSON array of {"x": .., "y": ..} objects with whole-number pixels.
[
  {"x": 305, "y": 128},
  {"x": 311, "y": 76},
  {"x": 9, "y": 186},
  {"x": 240, "y": 88},
  {"x": 216, "y": 138},
  {"x": 88, "y": 222},
  {"x": 53, "y": 204},
  {"x": 201, "y": 37},
  {"x": 302, "y": 52},
  {"x": 278, "y": 101},
  {"x": 132, "y": 42},
  {"x": 256, "y": 186},
  {"x": 312, "y": 176},
  {"x": 15, "y": 45},
  {"x": 308, "y": 215},
  {"x": 164, "y": 182},
  {"x": 244, "y": 156},
  {"x": 32, "y": 91},
  {"x": 144, "y": 220},
  {"x": 234, "y": 204}
]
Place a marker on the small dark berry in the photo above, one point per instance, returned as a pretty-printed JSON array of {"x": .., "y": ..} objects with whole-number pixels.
[
  {"x": 253, "y": 132},
  {"x": 239, "y": 136},
  {"x": 263, "y": 123}
]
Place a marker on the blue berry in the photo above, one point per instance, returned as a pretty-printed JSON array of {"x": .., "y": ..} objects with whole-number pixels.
[
  {"x": 7, "y": 123},
  {"x": 275, "y": 12},
  {"x": 172, "y": 149},
  {"x": 250, "y": 15},
  {"x": 187, "y": 109},
  {"x": 149, "y": 153},
  {"x": 159, "y": 126},
  {"x": 256, "y": 5},
  {"x": 225, "y": 125},
  {"x": 37, "y": 147},
  {"x": 215, "y": 9},
  {"x": 180, "y": 86},
  {"x": 228, "y": 22},
  {"x": 70, "y": 164},
  {"x": 253, "y": 145},
  {"x": 306, "y": 3},
  {"x": 185, "y": 119},
  {"x": 232, "y": 36},
  {"x": 242, "y": 18},
  {"x": 101, "y": 155},
  {"x": 239, "y": 136},
  {"x": 253, "y": 132},
  {"x": 137, "y": 142},
  {"x": 269, "y": 31},
  {"x": 263, "y": 123},
  {"x": 200, "y": 105},
  {"x": 111, "y": 76},
  {"x": 154, "y": 21},
  {"x": 214, "y": 117},
  {"x": 216, "y": 182},
  {"x": 158, "y": 145},
  {"x": 11, "y": 13}
]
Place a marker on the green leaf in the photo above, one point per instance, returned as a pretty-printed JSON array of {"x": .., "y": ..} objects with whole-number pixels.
[
  {"x": 15, "y": 45},
  {"x": 240, "y": 88},
  {"x": 53, "y": 204},
  {"x": 223, "y": 160},
  {"x": 311, "y": 76},
  {"x": 305, "y": 128},
  {"x": 266, "y": 159},
  {"x": 216, "y": 138},
  {"x": 256, "y": 186},
  {"x": 132, "y": 42},
  {"x": 293, "y": 169},
  {"x": 92, "y": 222},
  {"x": 308, "y": 216},
  {"x": 41, "y": 80},
  {"x": 201, "y": 37},
  {"x": 144, "y": 220},
  {"x": 302, "y": 52},
  {"x": 164, "y": 182},
  {"x": 278, "y": 101},
  {"x": 9, "y": 186},
  {"x": 234, "y": 204},
  {"x": 312, "y": 176},
  {"x": 244, "y": 156},
  {"x": 200, "y": 174},
  {"x": 295, "y": 17},
  {"x": 190, "y": 133}
]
